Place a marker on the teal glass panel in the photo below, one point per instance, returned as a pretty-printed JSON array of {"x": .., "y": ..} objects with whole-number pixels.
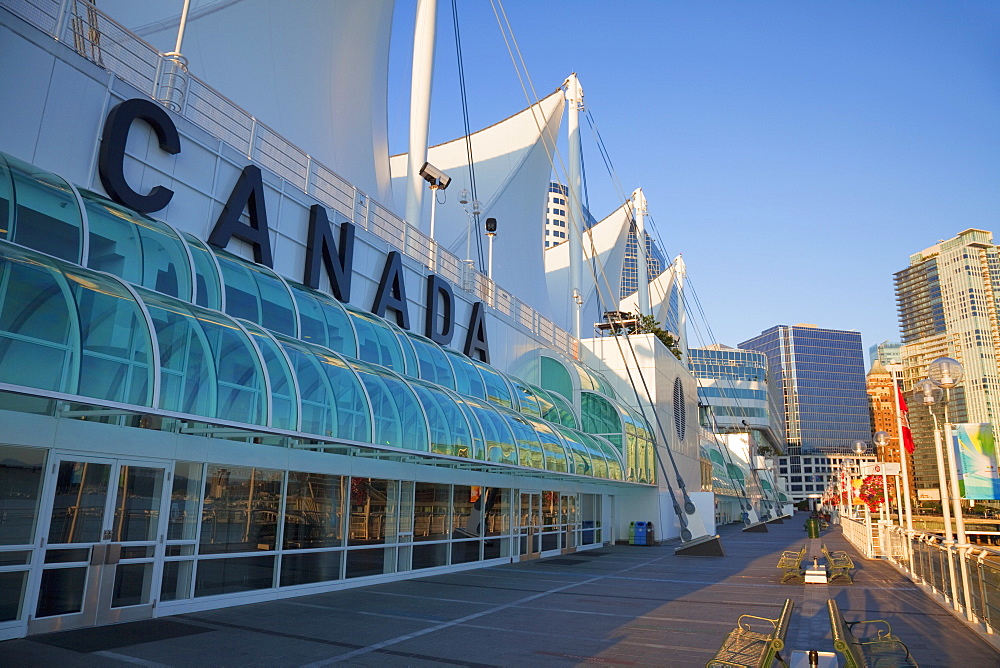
[
  {"x": 616, "y": 468},
  {"x": 117, "y": 346},
  {"x": 478, "y": 440},
  {"x": 497, "y": 389},
  {"x": 6, "y": 200},
  {"x": 592, "y": 380},
  {"x": 39, "y": 331},
  {"x": 136, "y": 248},
  {"x": 47, "y": 214},
  {"x": 409, "y": 353},
  {"x": 284, "y": 396},
  {"x": 500, "y": 444},
  {"x": 399, "y": 418},
  {"x": 563, "y": 413},
  {"x": 323, "y": 321},
  {"x": 529, "y": 447},
  {"x": 188, "y": 382},
  {"x": 579, "y": 453},
  {"x": 450, "y": 432},
  {"x": 333, "y": 401},
  {"x": 600, "y": 416},
  {"x": 597, "y": 457},
  {"x": 255, "y": 293},
  {"x": 527, "y": 398},
  {"x": 208, "y": 282},
  {"x": 432, "y": 362},
  {"x": 468, "y": 380},
  {"x": 556, "y": 378},
  {"x": 377, "y": 343},
  {"x": 553, "y": 448}
]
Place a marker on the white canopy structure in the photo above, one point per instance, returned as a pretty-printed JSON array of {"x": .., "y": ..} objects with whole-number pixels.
[
  {"x": 665, "y": 293},
  {"x": 311, "y": 70},
  {"x": 512, "y": 168},
  {"x": 604, "y": 256}
]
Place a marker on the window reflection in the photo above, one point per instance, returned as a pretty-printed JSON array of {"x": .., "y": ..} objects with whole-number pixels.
[
  {"x": 241, "y": 509},
  {"x": 314, "y": 511}
]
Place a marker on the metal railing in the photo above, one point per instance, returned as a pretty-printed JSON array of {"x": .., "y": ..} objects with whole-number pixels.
[
  {"x": 929, "y": 560},
  {"x": 98, "y": 38}
]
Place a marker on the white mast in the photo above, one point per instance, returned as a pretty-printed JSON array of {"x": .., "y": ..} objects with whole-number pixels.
[
  {"x": 679, "y": 273},
  {"x": 574, "y": 100},
  {"x": 420, "y": 105},
  {"x": 639, "y": 206}
]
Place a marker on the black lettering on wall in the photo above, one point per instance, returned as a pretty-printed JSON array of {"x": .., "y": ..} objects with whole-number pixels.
[
  {"x": 391, "y": 291},
  {"x": 247, "y": 194},
  {"x": 321, "y": 250},
  {"x": 476, "y": 342},
  {"x": 440, "y": 299},
  {"x": 111, "y": 158}
]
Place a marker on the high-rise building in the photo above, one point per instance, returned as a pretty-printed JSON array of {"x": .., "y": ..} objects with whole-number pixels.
[
  {"x": 882, "y": 402},
  {"x": 820, "y": 373},
  {"x": 556, "y": 214},
  {"x": 886, "y": 352},
  {"x": 948, "y": 307}
]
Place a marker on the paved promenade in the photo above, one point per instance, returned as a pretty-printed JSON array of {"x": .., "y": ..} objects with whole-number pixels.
[{"x": 617, "y": 606}]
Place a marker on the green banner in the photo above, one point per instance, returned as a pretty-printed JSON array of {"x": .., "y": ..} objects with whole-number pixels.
[{"x": 976, "y": 452}]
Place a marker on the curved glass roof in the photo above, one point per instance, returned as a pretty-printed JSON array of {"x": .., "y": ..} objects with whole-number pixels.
[
  {"x": 592, "y": 380},
  {"x": 148, "y": 329},
  {"x": 137, "y": 248}
]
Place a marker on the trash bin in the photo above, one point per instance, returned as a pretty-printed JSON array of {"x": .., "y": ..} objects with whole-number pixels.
[
  {"x": 640, "y": 533},
  {"x": 650, "y": 535},
  {"x": 812, "y": 528},
  {"x": 631, "y": 533}
]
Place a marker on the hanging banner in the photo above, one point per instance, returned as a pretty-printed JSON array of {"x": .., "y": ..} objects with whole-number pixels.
[
  {"x": 976, "y": 456},
  {"x": 880, "y": 468},
  {"x": 856, "y": 499}
]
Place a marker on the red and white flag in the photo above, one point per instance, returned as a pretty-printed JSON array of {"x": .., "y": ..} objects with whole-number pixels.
[{"x": 904, "y": 419}]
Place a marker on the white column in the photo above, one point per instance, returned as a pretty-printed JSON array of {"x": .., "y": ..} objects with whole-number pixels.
[
  {"x": 420, "y": 105},
  {"x": 679, "y": 274},
  {"x": 639, "y": 207},
  {"x": 574, "y": 101}
]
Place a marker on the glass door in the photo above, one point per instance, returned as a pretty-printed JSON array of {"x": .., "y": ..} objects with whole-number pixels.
[
  {"x": 530, "y": 524},
  {"x": 99, "y": 548}
]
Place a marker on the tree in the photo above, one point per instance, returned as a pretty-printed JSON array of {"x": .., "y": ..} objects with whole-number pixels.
[{"x": 632, "y": 323}]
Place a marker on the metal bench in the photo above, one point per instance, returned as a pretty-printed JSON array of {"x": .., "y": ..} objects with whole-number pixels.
[
  {"x": 840, "y": 564},
  {"x": 882, "y": 649},
  {"x": 791, "y": 564},
  {"x": 746, "y": 648}
]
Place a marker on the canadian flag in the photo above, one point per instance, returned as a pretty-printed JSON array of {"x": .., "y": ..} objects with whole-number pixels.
[{"x": 904, "y": 420}]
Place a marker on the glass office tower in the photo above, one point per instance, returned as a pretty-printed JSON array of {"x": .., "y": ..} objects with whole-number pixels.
[{"x": 821, "y": 376}]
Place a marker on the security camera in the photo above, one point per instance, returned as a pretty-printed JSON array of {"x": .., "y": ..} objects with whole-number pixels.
[
  {"x": 491, "y": 225},
  {"x": 434, "y": 176}
]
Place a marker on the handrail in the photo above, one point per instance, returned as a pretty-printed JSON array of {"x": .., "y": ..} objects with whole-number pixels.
[{"x": 103, "y": 41}]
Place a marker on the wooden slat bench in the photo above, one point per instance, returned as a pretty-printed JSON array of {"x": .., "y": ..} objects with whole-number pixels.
[
  {"x": 791, "y": 564},
  {"x": 746, "y": 648},
  {"x": 839, "y": 563},
  {"x": 882, "y": 649}
]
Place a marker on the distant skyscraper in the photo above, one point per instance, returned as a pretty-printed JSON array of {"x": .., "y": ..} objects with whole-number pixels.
[
  {"x": 882, "y": 402},
  {"x": 948, "y": 306},
  {"x": 655, "y": 263},
  {"x": 886, "y": 352},
  {"x": 821, "y": 377},
  {"x": 556, "y": 215}
]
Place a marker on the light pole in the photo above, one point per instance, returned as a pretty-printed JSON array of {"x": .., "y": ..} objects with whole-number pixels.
[
  {"x": 860, "y": 448},
  {"x": 491, "y": 231},
  {"x": 946, "y": 373},
  {"x": 881, "y": 440},
  {"x": 928, "y": 393}
]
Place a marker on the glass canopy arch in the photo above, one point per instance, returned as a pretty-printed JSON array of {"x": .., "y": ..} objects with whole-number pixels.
[{"x": 255, "y": 293}]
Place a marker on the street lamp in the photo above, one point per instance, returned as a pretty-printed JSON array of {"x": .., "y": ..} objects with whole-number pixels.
[{"x": 881, "y": 440}]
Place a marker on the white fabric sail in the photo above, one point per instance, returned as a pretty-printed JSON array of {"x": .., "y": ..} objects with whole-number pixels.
[
  {"x": 513, "y": 168},
  {"x": 603, "y": 256},
  {"x": 660, "y": 291},
  {"x": 312, "y": 70}
]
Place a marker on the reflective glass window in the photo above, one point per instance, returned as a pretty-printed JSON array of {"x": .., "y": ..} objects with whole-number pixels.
[
  {"x": 555, "y": 408},
  {"x": 432, "y": 362},
  {"x": 497, "y": 389},
  {"x": 478, "y": 442},
  {"x": 372, "y": 518},
  {"x": 323, "y": 321},
  {"x": 20, "y": 490},
  {"x": 284, "y": 396},
  {"x": 6, "y": 201},
  {"x": 136, "y": 248},
  {"x": 314, "y": 512},
  {"x": 597, "y": 456},
  {"x": 409, "y": 353},
  {"x": 39, "y": 330},
  {"x": 47, "y": 214},
  {"x": 431, "y": 511},
  {"x": 399, "y": 419},
  {"x": 556, "y": 378},
  {"x": 377, "y": 343},
  {"x": 592, "y": 380},
  {"x": 450, "y": 432},
  {"x": 616, "y": 469},
  {"x": 552, "y": 446},
  {"x": 527, "y": 398},
  {"x": 240, "y": 513},
  {"x": 600, "y": 416},
  {"x": 117, "y": 345},
  {"x": 500, "y": 444},
  {"x": 255, "y": 293},
  {"x": 208, "y": 282},
  {"x": 580, "y": 454},
  {"x": 333, "y": 402},
  {"x": 468, "y": 380},
  {"x": 529, "y": 446},
  {"x": 185, "y": 499}
]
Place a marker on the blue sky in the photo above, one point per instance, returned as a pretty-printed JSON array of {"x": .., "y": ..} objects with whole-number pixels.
[{"x": 795, "y": 153}]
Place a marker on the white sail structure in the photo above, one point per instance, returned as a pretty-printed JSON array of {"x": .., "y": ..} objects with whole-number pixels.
[
  {"x": 512, "y": 167},
  {"x": 665, "y": 293},
  {"x": 311, "y": 70},
  {"x": 603, "y": 248}
]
